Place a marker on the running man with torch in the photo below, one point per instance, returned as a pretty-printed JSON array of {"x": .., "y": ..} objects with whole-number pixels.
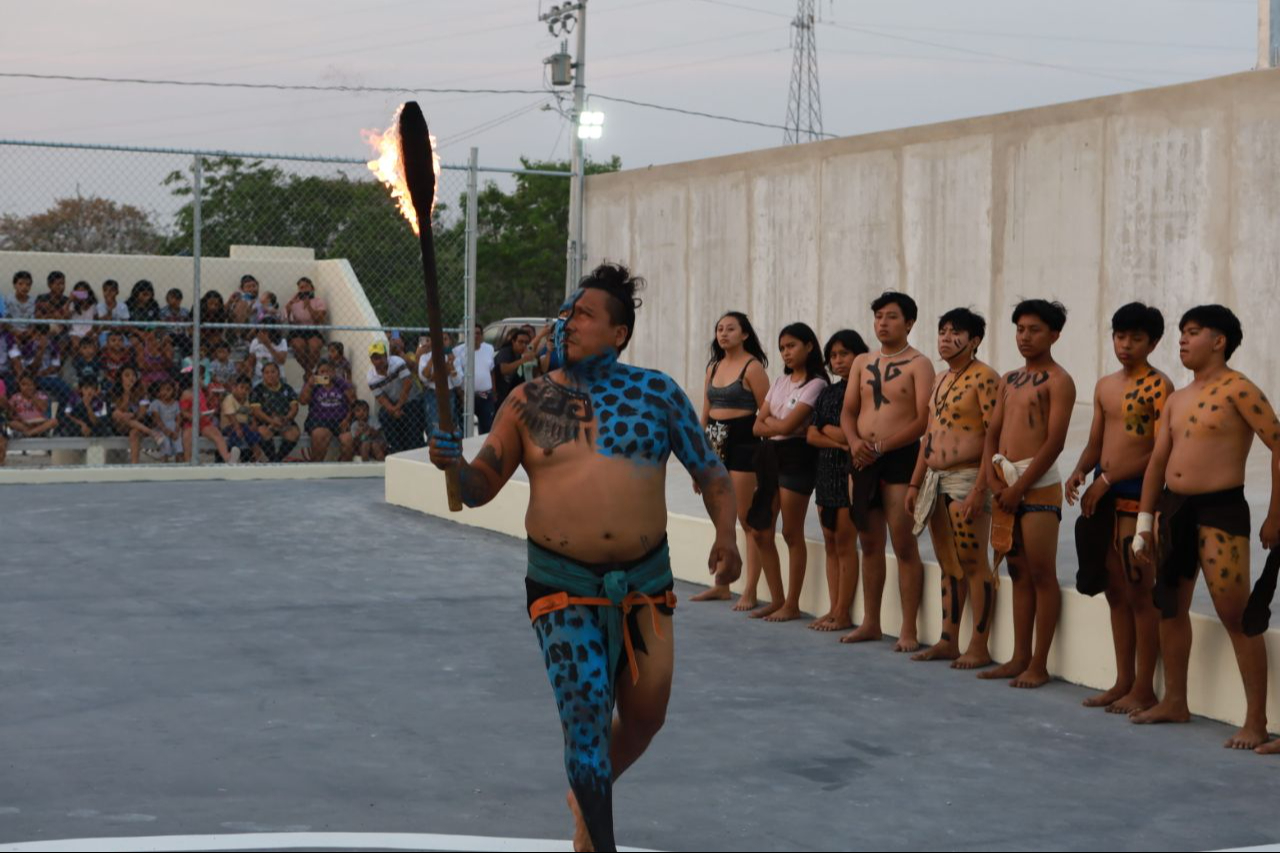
[{"x": 594, "y": 437}]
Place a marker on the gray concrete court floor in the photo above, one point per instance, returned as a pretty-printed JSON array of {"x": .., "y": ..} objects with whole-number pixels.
[{"x": 220, "y": 657}]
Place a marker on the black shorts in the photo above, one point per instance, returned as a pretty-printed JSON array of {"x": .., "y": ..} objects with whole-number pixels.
[
  {"x": 306, "y": 334},
  {"x": 737, "y": 449},
  {"x": 332, "y": 426},
  {"x": 898, "y": 465}
]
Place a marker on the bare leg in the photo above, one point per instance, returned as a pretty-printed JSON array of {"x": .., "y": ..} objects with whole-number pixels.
[
  {"x": 1040, "y": 538},
  {"x": 847, "y": 550},
  {"x": 1122, "y": 634},
  {"x": 872, "y": 542},
  {"x": 347, "y": 447},
  {"x": 1146, "y": 622},
  {"x": 795, "y": 506},
  {"x": 135, "y": 445},
  {"x": 320, "y": 444},
  {"x": 946, "y": 544},
  {"x": 832, "y": 565},
  {"x": 771, "y": 563},
  {"x": 1024, "y": 612},
  {"x": 219, "y": 443},
  {"x": 1225, "y": 562},
  {"x": 1175, "y": 644},
  {"x": 910, "y": 567},
  {"x": 744, "y": 486},
  {"x": 972, "y": 539}
]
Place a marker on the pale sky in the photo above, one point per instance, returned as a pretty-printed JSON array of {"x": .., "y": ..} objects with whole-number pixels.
[{"x": 882, "y": 65}]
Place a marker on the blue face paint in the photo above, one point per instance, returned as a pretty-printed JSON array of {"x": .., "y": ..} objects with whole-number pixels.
[{"x": 559, "y": 335}]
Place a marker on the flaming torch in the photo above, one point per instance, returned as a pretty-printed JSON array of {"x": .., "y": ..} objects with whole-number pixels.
[{"x": 408, "y": 165}]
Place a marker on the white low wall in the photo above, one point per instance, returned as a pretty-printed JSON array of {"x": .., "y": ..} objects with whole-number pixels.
[{"x": 1082, "y": 652}]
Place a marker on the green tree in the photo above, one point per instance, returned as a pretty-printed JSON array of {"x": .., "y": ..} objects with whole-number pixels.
[
  {"x": 250, "y": 203},
  {"x": 82, "y": 224},
  {"x": 520, "y": 247}
]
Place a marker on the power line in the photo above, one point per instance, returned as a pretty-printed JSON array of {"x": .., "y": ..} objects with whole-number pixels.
[
  {"x": 596, "y": 95},
  {"x": 283, "y": 87}
]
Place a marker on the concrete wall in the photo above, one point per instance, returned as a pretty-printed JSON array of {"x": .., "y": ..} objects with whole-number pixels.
[
  {"x": 276, "y": 268},
  {"x": 1171, "y": 196}
]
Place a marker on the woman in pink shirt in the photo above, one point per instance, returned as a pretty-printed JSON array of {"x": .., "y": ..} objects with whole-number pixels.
[
  {"x": 306, "y": 309},
  {"x": 786, "y": 467}
]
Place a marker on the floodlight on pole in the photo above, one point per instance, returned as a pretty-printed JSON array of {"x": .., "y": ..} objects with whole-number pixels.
[{"x": 590, "y": 125}]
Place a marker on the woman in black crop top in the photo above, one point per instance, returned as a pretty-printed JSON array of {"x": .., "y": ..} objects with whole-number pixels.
[{"x": 735, "y": 388}]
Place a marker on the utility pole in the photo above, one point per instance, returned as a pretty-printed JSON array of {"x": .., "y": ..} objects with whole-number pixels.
[
  {"x": 1268, "y": 33},
  {"x": 562, "y": 20},
  {"x": 804, "y": 101}
]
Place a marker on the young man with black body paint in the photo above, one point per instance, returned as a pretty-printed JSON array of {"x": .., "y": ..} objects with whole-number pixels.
[
  {"x": 1028, "y": 432},
  {"x": 886, "y": 410},
  {"x": 948, "y": 491}
]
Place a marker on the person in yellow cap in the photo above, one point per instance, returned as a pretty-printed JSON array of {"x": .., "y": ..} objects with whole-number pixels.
[{"x": 400, "y": 412}]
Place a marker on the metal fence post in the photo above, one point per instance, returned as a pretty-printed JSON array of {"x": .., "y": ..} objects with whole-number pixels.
[
  {"x": 469, "y": 309},
  {"x": 197, "y": 169}
]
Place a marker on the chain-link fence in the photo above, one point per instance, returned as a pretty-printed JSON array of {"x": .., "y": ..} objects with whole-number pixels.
[{"x": 283, "y": 295}]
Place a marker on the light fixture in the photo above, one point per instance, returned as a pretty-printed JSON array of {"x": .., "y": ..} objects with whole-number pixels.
[{"x": 590, "y": 125}]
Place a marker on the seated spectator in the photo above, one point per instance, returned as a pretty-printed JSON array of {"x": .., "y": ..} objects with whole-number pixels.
[
  {"x": 89, "y": 416},
  {"x": 207, "y": 427},
  {"x": 237, "y": 420},
  {"x": 212, "y": 310},
  {"x": 165, "y": 421},
  {"x": 269, "y": 306},
  {"x": 4, "y": 421},
  {"x": 367, "y": 438},
  {"x": 41, "y": 360},
  {"x": 10, "y": 357},
  {"x": 391, "y": 384},
  {"x": 142, "y": 304},
  {"x": 56, "y": 305},
  {"x": 426, "y": 373},
  {"x": 129, "y": 411},
  {"x": 329, "y": 416},
  {"x": 87, "y": 363},
  {"x": 154, "y": 356},
  {"x": 21, "y": 306},
  {"x": 84, "y": 308},
  {"x": 275, "y": 406},
  {"x": 305, "y": 308},
  {"x": 222, "y": 370},
  {"x": 32, "y": 411},
  {"x": 180, "y": 318},
  {"x": 338, "y": 360},
  {"x": 267, "y": 347},
  {"x": 115, "y": 358},
  {"x": 243, "y": 306},
  {"x": 111, "y": 308}
]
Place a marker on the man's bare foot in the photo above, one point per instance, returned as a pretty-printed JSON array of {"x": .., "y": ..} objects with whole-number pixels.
[
  {"x": 906, "y": 644},
  {"x": 1270, "y": 748},
  {"x": 745, "y": 603},
  {"x": 1007, "y": 670},
  {"x": 785, "y": 613},
  {"x": 1249, "y": 737},
  {"x": 715, "y": 593},
  {"x": 1106, "y": 698},
  {"x": 864, "y": 633},
  {"x": 972, "y": 660},
  {"x": 581, "y": 838},
  {"x": 1168, "y": 711},
  {"x": 816, "y": 624},
  {"x": 1133, "y": 702},
  {"x": 836, "y": 624},
  {"x": 766, "y": 610},
  {"x": 1031, "y": 678},
  {"x": 938, "y": 651}
]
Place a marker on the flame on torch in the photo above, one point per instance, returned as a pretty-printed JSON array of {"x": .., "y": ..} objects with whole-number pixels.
[{"x": 389, "y": 168}]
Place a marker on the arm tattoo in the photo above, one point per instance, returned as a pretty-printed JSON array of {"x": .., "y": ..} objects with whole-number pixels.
[{"x": 476, "y": 488}]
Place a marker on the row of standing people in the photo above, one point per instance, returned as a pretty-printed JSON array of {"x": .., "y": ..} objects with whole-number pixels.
[{"x": 893, "y": 448}]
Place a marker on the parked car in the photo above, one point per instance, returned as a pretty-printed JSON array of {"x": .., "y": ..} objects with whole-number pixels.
[{"x": 496, "y": 332}]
